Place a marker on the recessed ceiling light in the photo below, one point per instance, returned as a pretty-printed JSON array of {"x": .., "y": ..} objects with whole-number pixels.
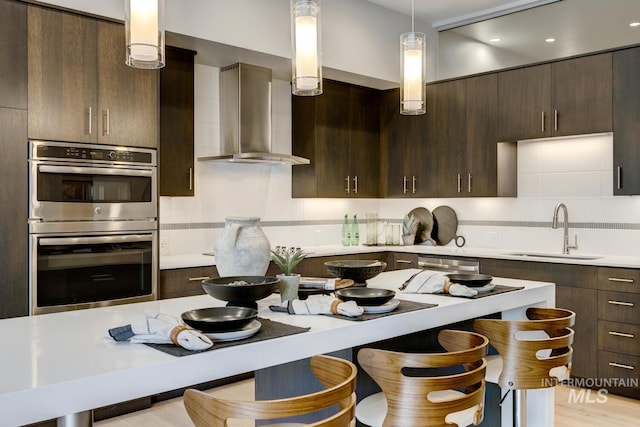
[
  {"x": 495, "y": 40},
  {"x": 635, "y": 24},
  {"x": 550, "y": 40}
]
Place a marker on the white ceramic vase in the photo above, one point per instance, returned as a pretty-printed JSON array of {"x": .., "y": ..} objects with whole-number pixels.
[
  {"x": 243, "y": 249},
  {"x": 289, "y": 287}
]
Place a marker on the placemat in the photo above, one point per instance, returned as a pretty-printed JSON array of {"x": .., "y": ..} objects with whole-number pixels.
[
  {"x": 269, "y": 329},
  {"x": 403, "y": 307}
]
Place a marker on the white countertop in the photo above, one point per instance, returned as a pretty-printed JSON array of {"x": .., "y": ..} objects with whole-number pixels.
[
  {"x": 199, "y": 260},
  {"x": 64, "y": 363}
]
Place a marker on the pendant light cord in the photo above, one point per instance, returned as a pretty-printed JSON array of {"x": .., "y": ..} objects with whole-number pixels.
[{"x": 412, "y": 13}]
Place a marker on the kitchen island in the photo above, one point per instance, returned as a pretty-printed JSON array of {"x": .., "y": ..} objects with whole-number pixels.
[{"x": 65, "y": 363}]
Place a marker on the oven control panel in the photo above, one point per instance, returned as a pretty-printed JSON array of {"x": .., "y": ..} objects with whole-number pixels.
[{"x": 91, "y": 153}]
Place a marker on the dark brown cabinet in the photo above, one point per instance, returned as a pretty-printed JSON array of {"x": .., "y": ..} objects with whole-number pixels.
[
  {"x": 184, "y": 282},
  {"x": 339, "y": 132},
  {"x": 576, "y": 290},
  {"x": 410, "y": 162},
  {"x": 471, "y": 161},
  {"x": 177, "y": 124},
  {"x": 569, "y": 97},
  {"x": 619, "y": 326},
  {"x": 13, "y": 54},
  {"x": 626, "y": 126},
  {"x": 79, "y": 87},
  {"x": 14, "y": 282}
]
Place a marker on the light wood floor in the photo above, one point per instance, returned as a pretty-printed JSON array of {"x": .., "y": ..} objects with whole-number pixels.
[{"x": 616, "y": 411}]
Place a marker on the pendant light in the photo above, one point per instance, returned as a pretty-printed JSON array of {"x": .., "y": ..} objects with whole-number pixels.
[
  {"x": 306, "y": 52},
  {"x": 413, "y": 71},
  {"x": 144, "y": 27}
]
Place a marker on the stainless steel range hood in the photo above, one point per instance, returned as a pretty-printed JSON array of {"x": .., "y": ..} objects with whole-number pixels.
[{"x": 245, "y": 117}]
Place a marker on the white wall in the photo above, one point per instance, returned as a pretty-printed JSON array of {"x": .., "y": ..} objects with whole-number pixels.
[{"x": 576, "y": 171}]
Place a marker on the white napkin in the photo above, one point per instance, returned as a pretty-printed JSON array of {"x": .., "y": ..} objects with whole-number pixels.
[
  {"x": 323, "y": 305},
  {"x": 159, "y": 328},
  {"x": 428, "y": 282}
]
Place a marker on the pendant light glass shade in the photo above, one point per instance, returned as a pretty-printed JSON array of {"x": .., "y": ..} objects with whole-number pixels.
[
  {"x": 413, "y": 74},
  {"x": 306, "y": 52},
  {"x": 144, "y": 27}
]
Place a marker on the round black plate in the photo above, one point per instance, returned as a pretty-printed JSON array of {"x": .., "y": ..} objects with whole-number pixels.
[
  {"x": 471, "y": 280},
  {"x": 366, "y": 296},
  {"x": 219, "y": 319}
]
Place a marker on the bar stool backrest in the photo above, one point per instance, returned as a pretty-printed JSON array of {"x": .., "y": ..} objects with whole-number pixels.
[
  {"x": 414, "y": 400},
  {"x": 337, "y": 375},
  {"x": 527, "y": 356}
]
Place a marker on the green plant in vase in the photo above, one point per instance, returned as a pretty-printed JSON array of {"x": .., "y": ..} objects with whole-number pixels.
[{"x": 289, "y": 281}]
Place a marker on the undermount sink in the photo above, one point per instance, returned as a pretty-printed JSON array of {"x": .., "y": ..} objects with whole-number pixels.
[{"x": 561, "y": 256}]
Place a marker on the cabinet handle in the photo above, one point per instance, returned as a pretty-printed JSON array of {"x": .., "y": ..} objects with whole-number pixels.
[
  {"x": 107, "y": 124},
  {"x": 617, "y": 279},
  {"x": 199, "y": 279},
  {"x": 348, "y": 179},
  {"x": 469, "y": 182},
  {"x": 90, "y": 126},
  {"x": 621, "y": 334},
  {"x": 413, "y": 184},
  {"x": 190, "y": 179},
  {"x": 355, "y": 184},
  {"x": 620, "y": 365},
  {"x": 404, "y": 184},
  {"x": 459, "y": 183},
  {"x": 626, "y": 304},
  {"x": 542, "y": 121},
  {"x": 619, "y": 177},
  {"x": 403, "y": 261},
  {"x": 555, "y": 120}
]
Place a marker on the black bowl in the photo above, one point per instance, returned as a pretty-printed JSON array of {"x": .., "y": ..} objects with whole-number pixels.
[
  {"x": 471, "y": 280},
  {"x": 366, "y": 296},
  {"x": 357, "y": 270},
  {"x": 219, "y": 319},
  {"x": 257, "y": 287}
]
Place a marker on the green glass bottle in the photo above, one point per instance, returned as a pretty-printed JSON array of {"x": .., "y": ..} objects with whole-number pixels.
[
  {"x": 355, "y": 231},
  {"x": 346, "y": 234}
]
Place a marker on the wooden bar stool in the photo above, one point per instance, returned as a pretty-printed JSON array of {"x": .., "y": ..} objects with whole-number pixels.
[
  {"x": 408, "y": 400},
  {"x": 337, "y": 375},
  {"x": 534, "y": 353}
]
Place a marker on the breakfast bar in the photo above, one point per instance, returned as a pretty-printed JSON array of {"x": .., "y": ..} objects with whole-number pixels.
[{"x": 65, "y": 363}]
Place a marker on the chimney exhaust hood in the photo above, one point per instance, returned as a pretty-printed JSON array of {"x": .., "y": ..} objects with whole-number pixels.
[{"x": 245, "y": 117}]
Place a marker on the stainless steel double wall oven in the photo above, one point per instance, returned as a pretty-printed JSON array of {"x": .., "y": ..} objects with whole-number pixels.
[{"x": 93, "y": 228}]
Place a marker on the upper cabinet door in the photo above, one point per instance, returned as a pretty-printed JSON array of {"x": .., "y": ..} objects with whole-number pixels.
[
  {"x": 524, "y": 98},
  {"x": 62, "y": 76},
  {"x": 364, "y": 142},
  {"x": 582, "y": 95},
  {"x": 13, "y": 55},
  {"x": 626, "y": 123},
  {"x": 128, "y": 97}
]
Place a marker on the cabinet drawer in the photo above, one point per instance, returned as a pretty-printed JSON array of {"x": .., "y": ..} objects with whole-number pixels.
[
  {"x": 619, "y": 279},
  {"x": 619, "y": 307},
  {"x": 619, "y": 337},
  {"x": 402, "y": 261},
  {"x": 184, "y": 282},
  {"x": 615, "y": 365}
]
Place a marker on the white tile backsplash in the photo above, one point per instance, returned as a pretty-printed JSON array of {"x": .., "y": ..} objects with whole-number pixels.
[{"x": 577, "y": 171}]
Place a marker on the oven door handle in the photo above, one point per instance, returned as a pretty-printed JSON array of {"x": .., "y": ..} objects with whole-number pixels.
[
  {"x": 52, "y": 241},
  {"x": 94, "y": 171}
]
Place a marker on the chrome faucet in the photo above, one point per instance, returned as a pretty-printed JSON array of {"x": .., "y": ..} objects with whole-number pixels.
[{"x": 554, "y": 224}]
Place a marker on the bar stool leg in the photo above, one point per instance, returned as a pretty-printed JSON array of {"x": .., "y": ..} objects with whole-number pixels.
[
  {"x": 520, "y": 408},
  {"x": 80, "y": 419}
]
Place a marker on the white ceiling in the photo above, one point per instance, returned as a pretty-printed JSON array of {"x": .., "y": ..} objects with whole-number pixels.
[{"x": 444, "y": 13}]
